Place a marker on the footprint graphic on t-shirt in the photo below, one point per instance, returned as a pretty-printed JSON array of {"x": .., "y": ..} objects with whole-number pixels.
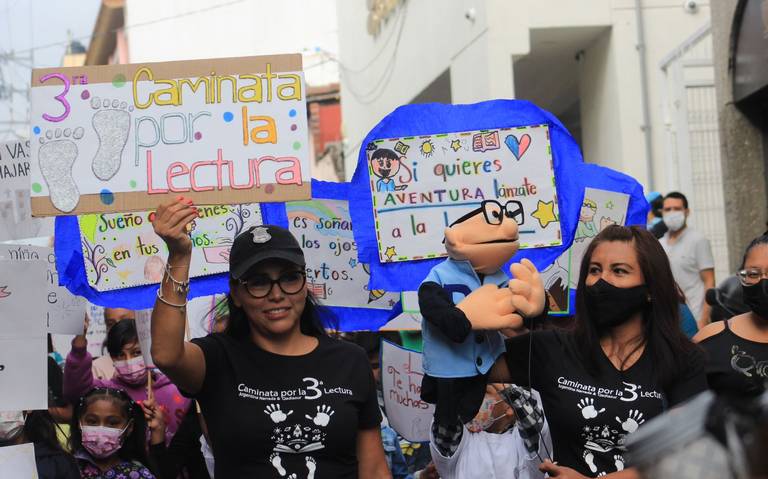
[
  {"x": 111, "y": 122},
  {"x": 57, "y": 155},
  {"x": 589, "y": 458},
  {"x": 277, "y": 463},
  {"x": 311, "y": 467},
  {"x": 619, "y": 462}
]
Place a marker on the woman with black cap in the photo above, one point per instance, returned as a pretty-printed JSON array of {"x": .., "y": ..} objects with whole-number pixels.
[{"x": 281, "y": 398}]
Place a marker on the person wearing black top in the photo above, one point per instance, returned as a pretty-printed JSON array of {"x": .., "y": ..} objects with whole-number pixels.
[
  {"x": 625, "y": 362},
  {"x": 737, "y": 348},
  {"x": 280, "y": 398}
]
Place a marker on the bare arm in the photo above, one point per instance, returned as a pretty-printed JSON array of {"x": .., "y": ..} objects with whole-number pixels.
[
  {"x": 708, "y": 277},
  {"x": 181, "y": 361},
  {"x": 371, "y": 461}
]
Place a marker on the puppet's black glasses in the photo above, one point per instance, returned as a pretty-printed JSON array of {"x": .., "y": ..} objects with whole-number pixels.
[
  {"x": 494, "y": 212},
  {"x": 260, "y": 286}
]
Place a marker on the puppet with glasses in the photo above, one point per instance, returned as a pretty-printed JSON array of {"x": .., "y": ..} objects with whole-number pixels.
[{"x": 466, "y": 300}]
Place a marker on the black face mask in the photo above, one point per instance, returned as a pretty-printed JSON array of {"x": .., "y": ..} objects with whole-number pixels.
[
  {"x": 609, "y": 306},
  {"x": 756, "y": 297}
]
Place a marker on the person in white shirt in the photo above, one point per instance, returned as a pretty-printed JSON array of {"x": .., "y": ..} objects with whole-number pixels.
[
  {"x": 690, "y": 256},
  {"x": 500, "y": 442}
]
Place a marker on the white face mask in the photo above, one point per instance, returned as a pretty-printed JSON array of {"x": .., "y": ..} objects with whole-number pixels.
[
  {"x": 675, "y": 220},
  {"x": 11, "y": 425}
]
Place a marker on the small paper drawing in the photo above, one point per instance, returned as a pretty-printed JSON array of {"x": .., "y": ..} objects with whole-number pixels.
[
  {"x": 485, "y": 141},
  {"x": 427, "y": 148},
  {"x": 606, "y": 222},
  {"x": 57, "y": 155},
  {"x": 318, "y": 290},
  {"x": 112, "y": 123},
  {"x": 401, "y": 148},
  {"x": 545, "y": 213},
  {"x": 586, "y": 227},
  {"x": 4, "y": 293},
  {"x": 518, "y": 147},
  {"x": 385, "y": 164}
]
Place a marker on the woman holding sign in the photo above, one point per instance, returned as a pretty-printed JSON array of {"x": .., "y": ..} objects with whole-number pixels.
[
  {"x": 280, "y": 398},
  {"x": 625, "y": 363}
]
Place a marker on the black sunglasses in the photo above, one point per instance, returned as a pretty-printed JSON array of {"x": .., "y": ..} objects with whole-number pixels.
[{"x": 494, "y": 212}]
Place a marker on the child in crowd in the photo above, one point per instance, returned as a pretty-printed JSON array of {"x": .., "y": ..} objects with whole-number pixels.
[{"x": 109, "y": 436}]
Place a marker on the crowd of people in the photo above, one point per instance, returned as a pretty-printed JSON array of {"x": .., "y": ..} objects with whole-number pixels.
[{"x": 276, "y": 392}]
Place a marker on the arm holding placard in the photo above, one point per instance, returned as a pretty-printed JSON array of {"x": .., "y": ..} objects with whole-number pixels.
[
  {"x": 78, "y": 376},
  {"x": 183, "y": 362}
]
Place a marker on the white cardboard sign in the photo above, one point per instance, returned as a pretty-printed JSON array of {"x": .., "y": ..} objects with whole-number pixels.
[
  {"x": 121, "y": 250},
  {"x": 22, "y": 298},
  {"x": 324, "y": 230},
  {"x": 64, "y": 311},
  {"x": 144, "y": 332},
  {"x": 23, "y": 373},
  {"x": 16, "y": 220},
  {"x": 19, "y": 461},
  {"x": 420, "y": 185},
  {"x": 401, "y": 375}
]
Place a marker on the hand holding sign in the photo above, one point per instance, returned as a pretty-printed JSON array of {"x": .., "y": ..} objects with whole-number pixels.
[
  {"x": 490, "y": 307},
  {"x": 527, "y": 289},
  {"x": 170, "y": 223}
]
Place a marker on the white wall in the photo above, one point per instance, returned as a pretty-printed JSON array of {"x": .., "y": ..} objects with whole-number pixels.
[
  {"x": 437, "y": 36},
  {"x": 241, "y": 29}
]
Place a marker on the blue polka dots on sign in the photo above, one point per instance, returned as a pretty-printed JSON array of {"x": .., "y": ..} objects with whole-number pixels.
[
  {"x": 107, "y": 197},
  {"x": 292, "y": 113},
  {"x": 228, "y": 116},
  {"x": 36, "y": 130}
]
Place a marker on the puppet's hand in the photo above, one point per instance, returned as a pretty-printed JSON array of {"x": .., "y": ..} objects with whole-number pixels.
[
  {"x": 490, "y": 307},
  {"x": 527, "y": 289}
]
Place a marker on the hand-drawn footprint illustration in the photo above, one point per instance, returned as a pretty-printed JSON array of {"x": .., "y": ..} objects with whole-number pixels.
[
  {"x": 111, "y": 122},
  {"x": 57, "y": 154}
]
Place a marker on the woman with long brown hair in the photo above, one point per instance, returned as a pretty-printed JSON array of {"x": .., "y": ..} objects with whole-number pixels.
[{"x": 625, "y": 362}]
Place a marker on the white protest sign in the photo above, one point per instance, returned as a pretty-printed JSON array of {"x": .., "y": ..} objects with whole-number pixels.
[
  {"x": 23, "y": 373},
  {"x": 96, "y": 335},
  {"x": 121, "y": 250},
  {"x": 18, "y": 461},
  {"x": 202, "y": 312},
  {"x": 401, "y": 375},
  {"x": 324, "y": 230},
  {"x": 410, "y": 319},
  {"x": 16, "y": 220},
  {"x": 420, "y": 185},
  {"x": 22, "y": 298},
  {"x": 117, "y": 138},
  {"x": 65, "y": 312},
  {"x": 144, "y": 332}
]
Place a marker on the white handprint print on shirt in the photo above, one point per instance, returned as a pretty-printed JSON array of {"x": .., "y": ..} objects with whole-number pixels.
[
  {"x": 587, "y": 406},
  {"x": 276, "y": 414},
  {"x": 633, "y": 421},
  {"x": 323, "y": 416}
]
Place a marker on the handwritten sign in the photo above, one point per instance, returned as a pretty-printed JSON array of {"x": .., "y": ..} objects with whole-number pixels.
[
  {"x": 144, "y": 333},
  {"x": 64, "y": 311},
  {"x": 121, "y": 250},
  {"x": 16, "y": 220},
  {"x": 19, "y": 461},
  {"x": 420, "y": 185},
  {"x": 23, "y": 373},
  {"x": 22, "y": 298},
  {"x": 121, "y": 138},
  {"x": 401, "y": 375},
  {"x": 324, "y": 230}
]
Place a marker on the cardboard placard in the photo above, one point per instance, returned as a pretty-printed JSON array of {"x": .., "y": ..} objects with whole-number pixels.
[
  {"x": 23, "y": 373},
  {"x": 201, "y": 314},
  {"x": 324, "y": 230},
  {"x": 16, "y": 220},
  {"x": 64, "y": 311},
  {"x": 420, "y": 185},
  {"x": 144, "y": 333},
  {"x": 19, "y": 461},
  {"x": 401, "y": 375},
  {"x": 22, "y": 298},
  {"x": 122, "y": 138},
  {"x": 121, "y": 250}
]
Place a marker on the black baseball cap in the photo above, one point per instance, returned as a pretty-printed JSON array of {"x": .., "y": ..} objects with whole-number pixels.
[{"x": 259, "y": 243}]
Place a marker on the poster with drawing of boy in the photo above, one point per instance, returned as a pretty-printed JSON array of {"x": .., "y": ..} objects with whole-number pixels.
[
  {"x": 420, "y": 185},
  {"x": 118, "y": 138}
]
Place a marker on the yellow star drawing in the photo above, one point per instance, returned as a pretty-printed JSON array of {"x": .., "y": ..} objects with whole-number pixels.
[
  {"x": 545, "y": 213},
  {"x": 455, "y": 145},
  {"x": 390, "y": 252}
]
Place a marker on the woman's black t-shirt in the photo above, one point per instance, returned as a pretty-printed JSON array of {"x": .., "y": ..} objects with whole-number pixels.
[
  {"x": 590, "y": 416},
  {"x": 736, "y": 365},
  {"x": 271, "y": 416}
]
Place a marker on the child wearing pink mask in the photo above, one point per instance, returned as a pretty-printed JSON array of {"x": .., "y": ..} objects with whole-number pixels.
[
  {"x": 130, "y": 374},
  {"x": 108, "y": 435}
]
